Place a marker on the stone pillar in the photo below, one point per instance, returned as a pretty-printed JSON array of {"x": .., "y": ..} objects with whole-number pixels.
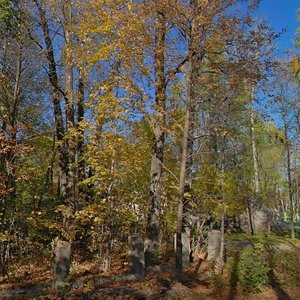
[
  {"x": 61, "y": 262},
  {"x": 214, "y": 245},
  {"x": 136, "y": 255}
]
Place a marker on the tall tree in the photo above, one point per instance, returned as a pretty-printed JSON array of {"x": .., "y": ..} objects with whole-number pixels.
[{"x": 157, "y": 154}]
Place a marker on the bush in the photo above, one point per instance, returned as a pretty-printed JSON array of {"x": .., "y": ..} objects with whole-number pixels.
[
  {"x": 253, "y": 269},
  {"x": 287, "y": 267}
]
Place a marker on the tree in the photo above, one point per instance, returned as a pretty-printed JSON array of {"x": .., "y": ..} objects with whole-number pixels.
[
  {"x": 157, "y": 153},
  {"x": 19, "y": 102},
  {"x": 220, "y": 60},
  {"x": 284, "y": 98},
  {"x": 69, "y": 134}
]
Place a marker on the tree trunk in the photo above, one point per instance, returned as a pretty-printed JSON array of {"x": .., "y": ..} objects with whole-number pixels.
[
  {"x": 70, "y": 196},
  {"x": 253, "y": 230},
  {"x": 254, "y": 148},
  {"x": 182, "y": 185},
  {"x": 13, "y": 116},
  {"x": 8, "y": 150},
  {"x": 58, "y": 117},
  {"x": 195, "y": 56},
  {"x": 290, "y": 190},
  {"x": 185, "y": 168},
  {"x": 157, "y": 155},
  {"x": 3, "y": 171},
  {"x": 259, "y": 215},
  {"x": 80, "y": 142},
  {"x": 222, "y": 244}
]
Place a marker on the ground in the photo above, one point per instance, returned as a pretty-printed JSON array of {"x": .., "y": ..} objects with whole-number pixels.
[{"x": 33, "y": 280}]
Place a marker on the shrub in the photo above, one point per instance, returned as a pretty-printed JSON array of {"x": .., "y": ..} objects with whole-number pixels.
[
  {"x": 253, "y": 269},
  {"x": 287, "y": 267}
]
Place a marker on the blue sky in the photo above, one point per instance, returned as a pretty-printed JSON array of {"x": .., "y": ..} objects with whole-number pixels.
[{"x": 281, "y": 14}]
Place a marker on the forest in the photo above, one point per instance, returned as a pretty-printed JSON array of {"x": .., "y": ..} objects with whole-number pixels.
[{"x": 149, "y": 149}]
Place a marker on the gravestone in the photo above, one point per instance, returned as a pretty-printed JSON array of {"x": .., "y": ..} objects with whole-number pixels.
[
  {"x": 136, "y": 255},
  {"x": 261, "y": 220},
  {"x": 244, "y": 223},
  {"x": 61, "y": 262},
  {"x": 186, "y": 249},
  {"x": 214, "y": 245}
]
